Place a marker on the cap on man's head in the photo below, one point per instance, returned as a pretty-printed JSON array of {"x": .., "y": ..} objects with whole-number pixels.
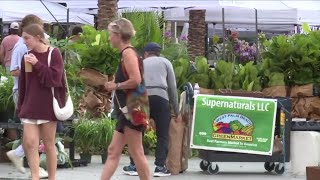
[
  {"x": 152, "y": 47},
  {"x": 14, "y": 25}
]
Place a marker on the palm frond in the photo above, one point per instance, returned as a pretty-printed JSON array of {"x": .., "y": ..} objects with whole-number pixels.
[{"x": 147, "y": 25}]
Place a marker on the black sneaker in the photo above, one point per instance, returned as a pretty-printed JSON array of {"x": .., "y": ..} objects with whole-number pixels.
[
  {"x": 161, "y": 172},
  {"x": 130, "y": 170}
]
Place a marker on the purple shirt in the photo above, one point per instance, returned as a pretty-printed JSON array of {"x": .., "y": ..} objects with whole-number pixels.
[{"x": 35, "y": 96}]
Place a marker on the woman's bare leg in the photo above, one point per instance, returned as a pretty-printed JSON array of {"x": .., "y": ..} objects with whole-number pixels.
[
  {"x": 31, "y": 134},
  {"x": 114, "y": 154},
  {"x": 48, "y": 135},
  {"x": 134, "y": 141}
]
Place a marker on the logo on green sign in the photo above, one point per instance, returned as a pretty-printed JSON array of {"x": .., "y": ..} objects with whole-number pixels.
[{"x": 233, "y": 126}]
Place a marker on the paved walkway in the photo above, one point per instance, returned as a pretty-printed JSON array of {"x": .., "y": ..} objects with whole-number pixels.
[{"x": 228, "y": 171}]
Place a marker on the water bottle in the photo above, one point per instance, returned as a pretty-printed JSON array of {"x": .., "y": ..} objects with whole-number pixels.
[{"x": 196, "y": 89}]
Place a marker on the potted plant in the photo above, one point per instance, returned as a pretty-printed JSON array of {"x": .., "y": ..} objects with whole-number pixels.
[
  {"x": 95, "y": 60},
  {"x": 84, "y": 138},
  {"x": 93, "y": 136},
  {"x": 95, "y": 51},
  {"x": 105, "y": 127}
]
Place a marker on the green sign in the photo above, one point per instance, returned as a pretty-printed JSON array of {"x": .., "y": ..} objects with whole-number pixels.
[{"x": 234, "y": 124}]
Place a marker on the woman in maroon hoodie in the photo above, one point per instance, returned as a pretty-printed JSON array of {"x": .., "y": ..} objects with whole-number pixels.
[{"x": 35, "y": 98}]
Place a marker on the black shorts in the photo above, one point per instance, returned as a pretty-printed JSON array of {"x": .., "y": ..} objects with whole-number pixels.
[{"x": 122, "y": 122}]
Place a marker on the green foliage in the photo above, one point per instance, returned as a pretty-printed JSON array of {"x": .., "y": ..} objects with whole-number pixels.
[
  {"x": 84, "y": 133},
  {"x": 105, "y": 127},
  {"x": 95, "y": 51},
  {"x": 93, "y": 136},
  {"x": 6, "y": 85},
  {"x": 147, "y": 26},
  {"x": 249, "y": 78},
  {"x": 215, "y": 39},
  {"x": 76, "y": 87},
  {"x": 183, "y": 71},
  {"x": 202, "y": 79},
  {"x": 202, "y": 65},
  {"x": 297, "y": 57},
  {"x": 174, "y": 51},
  {"x": 150, "y": 141},
  {"x": 271, "y": 79},
  {"x": 202, "y": 73},
  {"x": 61, "y": 44},
  {"x": 306, "y": 28},
  {"x": 225, "y": 76}
]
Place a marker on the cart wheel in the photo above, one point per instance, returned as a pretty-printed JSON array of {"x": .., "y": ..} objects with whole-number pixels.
[
  {"x": 204, "y": 165},
  {"x": 211, "y": 170},
  {"x": 269, "y": 166},
  {"x": 279, "y": 170}
]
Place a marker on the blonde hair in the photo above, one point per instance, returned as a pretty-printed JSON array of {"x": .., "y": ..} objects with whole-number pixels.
[
  {"x": 123, "y": 27},
  {"x": 36, "y": 30},
  {"x": 31, "y": 19}
]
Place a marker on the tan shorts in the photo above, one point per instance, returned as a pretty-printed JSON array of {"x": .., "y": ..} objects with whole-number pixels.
[{"x": 33, "y": 121}]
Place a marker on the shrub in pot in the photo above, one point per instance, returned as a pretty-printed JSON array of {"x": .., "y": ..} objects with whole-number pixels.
[
  {"x": 105, "y": 127},
  {"x": 84, "y": 137}
]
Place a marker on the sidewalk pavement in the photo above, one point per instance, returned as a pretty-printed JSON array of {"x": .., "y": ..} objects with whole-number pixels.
[{"x": 228, "y": 171}]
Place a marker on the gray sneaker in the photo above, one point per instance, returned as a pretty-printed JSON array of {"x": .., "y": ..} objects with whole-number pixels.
[
  {"x": 130, "y": 170},
  {"x": 161, "y": 171}
]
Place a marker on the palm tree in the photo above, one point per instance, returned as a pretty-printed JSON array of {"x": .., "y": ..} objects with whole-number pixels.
[
  {"x": 107, "y": 11},
  {"x": 197, "y": 33}
]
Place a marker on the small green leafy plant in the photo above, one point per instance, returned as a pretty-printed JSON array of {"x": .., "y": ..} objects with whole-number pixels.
[{"x": 95, "y": 51}]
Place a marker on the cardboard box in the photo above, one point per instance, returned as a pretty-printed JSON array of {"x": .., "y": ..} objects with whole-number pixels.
[{"x": 313, "y": 173}]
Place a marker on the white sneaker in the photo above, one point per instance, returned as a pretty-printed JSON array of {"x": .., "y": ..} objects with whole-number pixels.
[
  {"x": 42, "y": 173},
  {"x": 16, "y": 160}
]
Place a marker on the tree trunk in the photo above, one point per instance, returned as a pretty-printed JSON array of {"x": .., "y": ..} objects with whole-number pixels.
[
  {"x": 107, "y": 12},
  {"x": 197, "y": 33}
]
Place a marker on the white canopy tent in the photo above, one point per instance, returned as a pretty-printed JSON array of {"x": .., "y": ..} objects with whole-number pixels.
[
  {"x": 92, "y": 4},
  {"x": 280, "y": 15},
  {"x": 243, "y": 18},
  {"x": 16, "y": 10},
  {"x": 307, "y": 11},
  {"x": 303, "y": 5}
]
